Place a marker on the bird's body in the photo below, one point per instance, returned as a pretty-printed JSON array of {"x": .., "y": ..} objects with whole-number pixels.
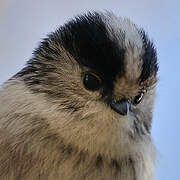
[{"x": 74, "y": 111}]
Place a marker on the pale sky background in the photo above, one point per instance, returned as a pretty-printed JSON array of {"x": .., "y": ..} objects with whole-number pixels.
[{"x": 23, "y": 23}]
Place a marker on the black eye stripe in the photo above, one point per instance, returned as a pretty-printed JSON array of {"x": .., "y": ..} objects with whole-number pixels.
[{"x": 91, "y": 81}]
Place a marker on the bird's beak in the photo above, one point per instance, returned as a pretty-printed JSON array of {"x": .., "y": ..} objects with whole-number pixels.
[{"x": 122, "y": 107}]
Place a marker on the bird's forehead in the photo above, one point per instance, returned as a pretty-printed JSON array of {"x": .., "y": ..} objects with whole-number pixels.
[
  {"x": 127, "y": 36},
  {"x": 123, "y": 31},
  {"x": 107, "y": 44}
]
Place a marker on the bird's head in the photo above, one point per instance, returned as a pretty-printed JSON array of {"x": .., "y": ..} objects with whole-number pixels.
[{"x": 98, "y": 72}]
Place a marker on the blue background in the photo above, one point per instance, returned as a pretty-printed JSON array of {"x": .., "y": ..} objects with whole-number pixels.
[{"x": 24, "y": 23}]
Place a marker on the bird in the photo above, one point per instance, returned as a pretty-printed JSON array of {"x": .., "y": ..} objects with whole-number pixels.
[{"x": 82, "y": 106}]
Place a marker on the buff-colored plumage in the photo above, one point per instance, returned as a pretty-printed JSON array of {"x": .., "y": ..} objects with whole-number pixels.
[{"x": 58, "y": 130}]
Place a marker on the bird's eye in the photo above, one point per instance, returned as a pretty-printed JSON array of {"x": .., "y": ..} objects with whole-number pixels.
[
  {"x": 138, "y": 98},
  {"x": 91, "y": 81}
]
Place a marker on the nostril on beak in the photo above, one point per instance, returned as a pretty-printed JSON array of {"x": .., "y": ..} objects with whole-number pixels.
[{"x": 122, "y": 107}]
